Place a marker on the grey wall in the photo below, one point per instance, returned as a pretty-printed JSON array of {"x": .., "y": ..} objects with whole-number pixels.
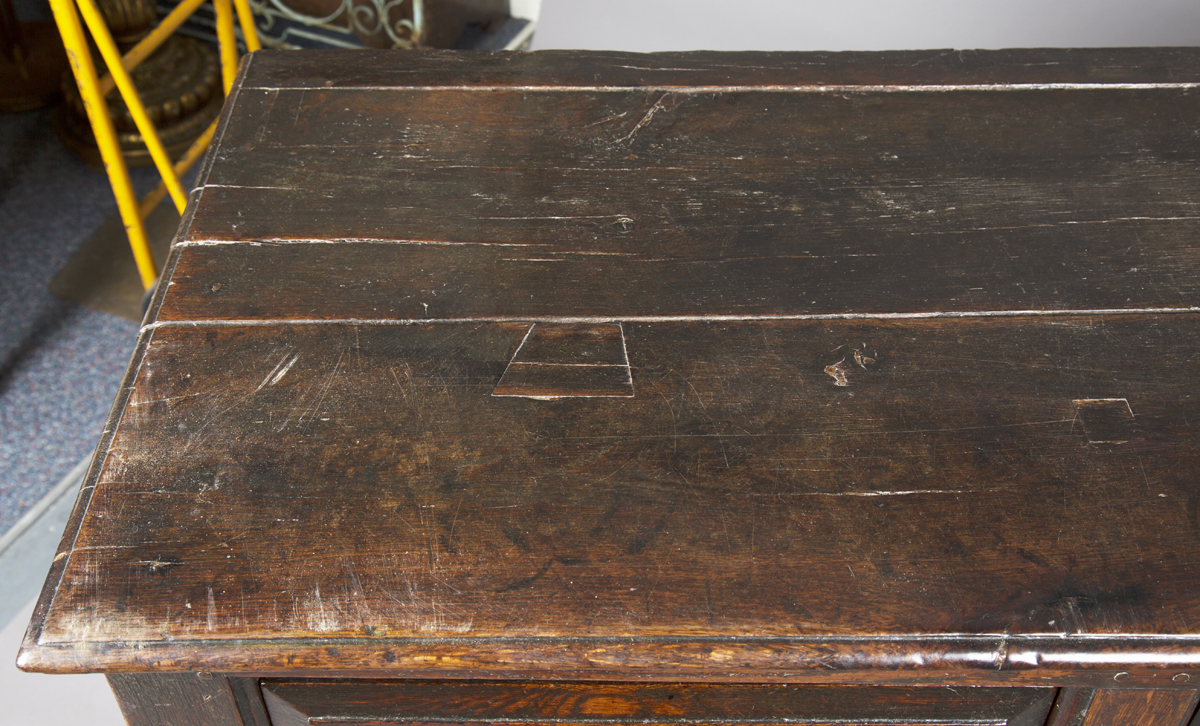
[{"x": 650, "y": 25}]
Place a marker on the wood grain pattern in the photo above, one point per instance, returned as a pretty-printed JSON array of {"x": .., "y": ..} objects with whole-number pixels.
[
  {"x": 179, "y": 699},
  {"x": 1071, "y": 706},
  {"x": 904, "y": 397},
  {"x": 248, "y": 696},
  {"x": 304, "y": 702},
  {"x": 346, "y": 69},
  {"x": 740, "y": 467},
  {"x": 1144, "y": 708},
  {"x": 518, "y": 204}
]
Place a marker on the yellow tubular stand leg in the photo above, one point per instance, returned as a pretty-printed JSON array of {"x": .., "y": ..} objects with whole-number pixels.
[
  {"x": 106, "y": 138},
  {"x": 150, "y": 43},
  {"x": 108, "y": 50},
  {"x": 246, "y": 20},
  {"x": 226, "y": 41},
  {"x": 190, "y": 157}
]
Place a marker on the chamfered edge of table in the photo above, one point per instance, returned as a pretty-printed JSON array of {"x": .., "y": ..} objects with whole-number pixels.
[{"x": 1139, "y": 662}]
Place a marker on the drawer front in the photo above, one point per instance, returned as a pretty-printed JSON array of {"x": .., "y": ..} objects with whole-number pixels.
[{"x": 292, "y": 702}]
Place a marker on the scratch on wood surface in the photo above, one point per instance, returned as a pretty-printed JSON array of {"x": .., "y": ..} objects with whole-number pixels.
[
  {"x": 658, "y": 106},
  {"x": 167, "y": 399},
  {"x": 268, "y": 106},
  {"x": 314, "y": 409},
  {"x": 419, "y": 610},
  {"x": 683, "y": 70},
  {"x": 318, "y": 619},
  {"x": 350, "y": 240},
  {"x": 883, "y": 493},
  {"x": 279, "y": 371},
  {"x": 718, "y": 318},
  {"x": 598, "y": 252},
  {"x": 299, "y": 106},
  {"x": 606, "y": 119},
  {"x": 1070, "y": 222},
  {"x": 210, "y": 618},
  {"x": 614, "y": 217},
  {"x": 249, "y": 186}
]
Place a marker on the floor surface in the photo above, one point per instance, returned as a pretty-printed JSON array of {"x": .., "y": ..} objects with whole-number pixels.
[
  {"x": 33, "y": 699},
  {"x": 60, "y": 362}
]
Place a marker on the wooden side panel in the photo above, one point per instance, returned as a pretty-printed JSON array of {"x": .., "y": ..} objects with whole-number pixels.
[
  {"x": 1141, "y": 708},
  {"x": 584, "y": 704},
  {"x": 1071, "y": 706},
  {"x": 249, "y": 699},
  {"x": 178, "y": 699}
]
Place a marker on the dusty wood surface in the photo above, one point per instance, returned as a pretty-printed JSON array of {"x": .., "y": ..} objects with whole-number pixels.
[{"x": 905, "y": 389}]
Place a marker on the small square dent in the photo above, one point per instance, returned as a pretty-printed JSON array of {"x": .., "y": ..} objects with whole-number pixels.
[{"x": 1106, "y": 420}]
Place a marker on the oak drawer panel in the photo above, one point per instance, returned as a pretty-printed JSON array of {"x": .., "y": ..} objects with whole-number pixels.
[{"x": 587, "y": 704}]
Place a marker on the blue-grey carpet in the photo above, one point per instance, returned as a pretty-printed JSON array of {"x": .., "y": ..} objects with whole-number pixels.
[{"x": 60, "y": 363}]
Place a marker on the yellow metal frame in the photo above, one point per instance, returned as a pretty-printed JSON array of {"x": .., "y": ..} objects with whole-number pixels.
[{"x": 93, "y": 89}]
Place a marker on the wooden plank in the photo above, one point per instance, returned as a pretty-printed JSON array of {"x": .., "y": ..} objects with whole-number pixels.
[
  {"x": 1141, "y": 708},
  {"x": 333, "y": 68},
  {"x": 305, "y": 702},
  {"x": 762, "y": 205},
  {"x": 946, "y": 489},
  {"x": 410, "y": 283},
  {"x": 278, "y": 138}
]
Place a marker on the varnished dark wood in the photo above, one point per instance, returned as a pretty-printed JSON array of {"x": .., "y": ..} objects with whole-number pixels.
[
  {"x": 248, "y": 697},
  {"x": 1144, "y": 708},
  {"x": 347, "y": 69},
  {"x": 741, "y": 466},
  {"x": 860, "y": 372},
  {"x": 1071, "y": 706},
  {"x": 292, "y": 703},
  {"x": 179, "y": 699},
  {"x": 970, "y": 201}
]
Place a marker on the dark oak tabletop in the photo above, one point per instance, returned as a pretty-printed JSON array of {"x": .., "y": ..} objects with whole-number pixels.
[{"x": 692, "y": 365}]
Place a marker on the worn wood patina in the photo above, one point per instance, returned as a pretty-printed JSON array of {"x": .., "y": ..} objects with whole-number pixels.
[{"x": 804, "y": 386}]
